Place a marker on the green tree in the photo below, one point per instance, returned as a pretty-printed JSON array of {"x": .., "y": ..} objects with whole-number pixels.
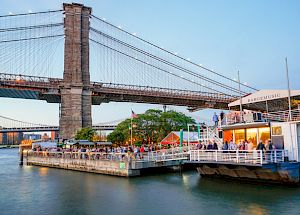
[
  {"x": 152, "y": 126},
  {"x": 116, "y": 137},
  {"x": 85, "y": 134}
]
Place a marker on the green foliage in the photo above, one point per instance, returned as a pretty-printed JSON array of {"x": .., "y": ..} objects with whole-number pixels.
[
  {"x": 116, "y": 137},
  {"x": 85, "y": 134},
  {"x": 152, "y": 126}
]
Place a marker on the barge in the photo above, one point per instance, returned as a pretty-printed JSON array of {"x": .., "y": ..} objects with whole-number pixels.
[{"x": 254, "y": 145}]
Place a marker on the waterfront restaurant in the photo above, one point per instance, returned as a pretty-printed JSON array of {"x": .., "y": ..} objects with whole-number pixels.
[
  {"x": 272, "y": 123},
  {"x": 173, "y": 138}
]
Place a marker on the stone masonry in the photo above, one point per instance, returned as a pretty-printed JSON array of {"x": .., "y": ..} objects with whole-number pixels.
[{"x": 76, "y": 93}]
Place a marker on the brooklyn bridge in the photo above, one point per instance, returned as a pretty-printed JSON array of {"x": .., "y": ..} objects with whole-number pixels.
[{"x": 74, "y": 58}]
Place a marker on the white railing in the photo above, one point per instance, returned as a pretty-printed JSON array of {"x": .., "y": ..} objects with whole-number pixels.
[
  {"x": 278, "y": 116},
  {"x": 282, "y": 116},
  {"x": 178, "y": 153},
  {"x": 231, "y": 118},
  {"x": 247, "y": 157},
  {"x": 206, "y": 134},
  {"x": 80, "y": 155},
  {"x": 214, "y": 136}
]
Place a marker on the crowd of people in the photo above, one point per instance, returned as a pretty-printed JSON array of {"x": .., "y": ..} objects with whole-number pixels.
[
  {"x": 209, "y": 145},
  {"x": 241, "y": 145},
  {"x": 136, "y": 152}
]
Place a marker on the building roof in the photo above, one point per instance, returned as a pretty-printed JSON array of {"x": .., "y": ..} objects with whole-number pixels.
[
  {"x": 49, "y": 144},
  {"x": 174, "y": 137},
  {"x": 104, "y": 143},
  {"x": 271, "y": 100},
  {"x": 80, "y": 142}
]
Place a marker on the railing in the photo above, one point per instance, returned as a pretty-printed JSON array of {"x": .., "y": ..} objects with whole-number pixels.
[
  {"x": 30, "y": 81},
  {"x": 282, "y": 116},
  {"x": 148, "y": 90},
  {"x": 206, "y": 134},
  {"x": 81, "y": 155},
  {"x": 243, "y": 157},
  {"x": 230, "y": 119},
  {"x": 278, "y": 116},
  {"x": 212, "y": 135},
  {"x": 246, "y": 157},
  {"x": 178, "y": 153},
  {"x": 156, "y": 156}
]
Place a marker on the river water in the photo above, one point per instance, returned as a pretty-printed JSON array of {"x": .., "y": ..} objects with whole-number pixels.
[{"x": 39, "y": 190}]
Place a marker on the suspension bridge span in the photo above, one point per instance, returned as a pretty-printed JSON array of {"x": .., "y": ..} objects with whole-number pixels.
[
  {"x": 8, "y": 125},
  {"x": 74, "y": 58}
]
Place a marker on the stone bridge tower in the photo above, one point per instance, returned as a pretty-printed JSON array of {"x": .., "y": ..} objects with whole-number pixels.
[{"x": 76, "y": 97}]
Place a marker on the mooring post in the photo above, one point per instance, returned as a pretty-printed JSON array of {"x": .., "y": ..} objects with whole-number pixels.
[{"x": 21, "y": 156}]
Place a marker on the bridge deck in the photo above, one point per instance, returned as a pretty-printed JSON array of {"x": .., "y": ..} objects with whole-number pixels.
[{"x": 43, "y": 88}]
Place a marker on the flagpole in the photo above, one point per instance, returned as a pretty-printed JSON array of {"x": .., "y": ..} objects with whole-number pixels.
[
  {"x": 131, "y": 131},
  {"x": 241, "y": 105},
  {"x": 289, "y": 91}
]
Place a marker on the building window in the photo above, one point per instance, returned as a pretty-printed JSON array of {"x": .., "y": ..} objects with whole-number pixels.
[
  {"x": 276, "y": 130},
  {"x": 239, "y": 135},
  {"x": 264, "y": 134},
  {"x": 251, "y": 135},
  {"x": 228, "y": 136}
]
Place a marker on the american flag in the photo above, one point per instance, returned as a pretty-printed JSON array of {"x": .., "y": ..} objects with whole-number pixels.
[{"x": 133, "y": 115}]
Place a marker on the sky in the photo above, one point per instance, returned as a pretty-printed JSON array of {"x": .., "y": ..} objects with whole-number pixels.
[{"x": 251, "y": 36}]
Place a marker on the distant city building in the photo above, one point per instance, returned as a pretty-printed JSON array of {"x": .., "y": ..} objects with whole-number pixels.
[
  {"x": 11, "y": 138},
  {"x": 46, "y": 137},
  {"x": 32, "y": 136}
]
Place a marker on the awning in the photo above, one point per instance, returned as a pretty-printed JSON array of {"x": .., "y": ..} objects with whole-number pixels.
[
  {"x": 271, "y": 100},
  {"x": 103, "y": 143},
  {"x": 80, "y": 142}
]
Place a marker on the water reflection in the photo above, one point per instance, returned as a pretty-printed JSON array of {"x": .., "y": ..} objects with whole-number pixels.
[
  {"x": 253, "y": 209},
  {"x": 40, "y": 190},
  {"x": 43, "y": 171}
]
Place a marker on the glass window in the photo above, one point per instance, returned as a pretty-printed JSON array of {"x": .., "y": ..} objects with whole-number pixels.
[
  {"x": 276, "y": 130},
  {"x": 228, "y": 136},
  {"x": 252, "y": 135},
  {"x": 264, "y": 134},
  {"x": 239, "y": 135}
]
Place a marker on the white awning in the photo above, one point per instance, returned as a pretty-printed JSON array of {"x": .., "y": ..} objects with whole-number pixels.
[{"x": 264, "y": 95}]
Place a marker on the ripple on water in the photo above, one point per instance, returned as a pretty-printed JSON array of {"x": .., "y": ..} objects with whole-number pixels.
[{"x": 40, "y": 190}]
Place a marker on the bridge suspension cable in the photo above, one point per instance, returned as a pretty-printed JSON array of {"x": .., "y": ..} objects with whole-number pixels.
[
  {"x": 30, "y": 13},
  {"x": 30, "y": 42},
  {"x": 6, "y": 122},
  {"x": 159, "y": 54},
  {"x": 113, "y": 122},
  {"x": 146, "y": 63},
  {"x": 165, "y": 62}
]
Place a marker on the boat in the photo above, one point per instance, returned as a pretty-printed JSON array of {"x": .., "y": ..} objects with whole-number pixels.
[{"x": 267, "y": 144}]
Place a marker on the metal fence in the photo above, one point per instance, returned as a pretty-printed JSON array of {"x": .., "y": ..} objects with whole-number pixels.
[
  {"x": 81, "y": 155},
  {"x": 250, "y": 157},
  {"x": 282, "y": 116},
  {"x": 178, "y": 153},
  {"x": 246, "y": 157}
]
